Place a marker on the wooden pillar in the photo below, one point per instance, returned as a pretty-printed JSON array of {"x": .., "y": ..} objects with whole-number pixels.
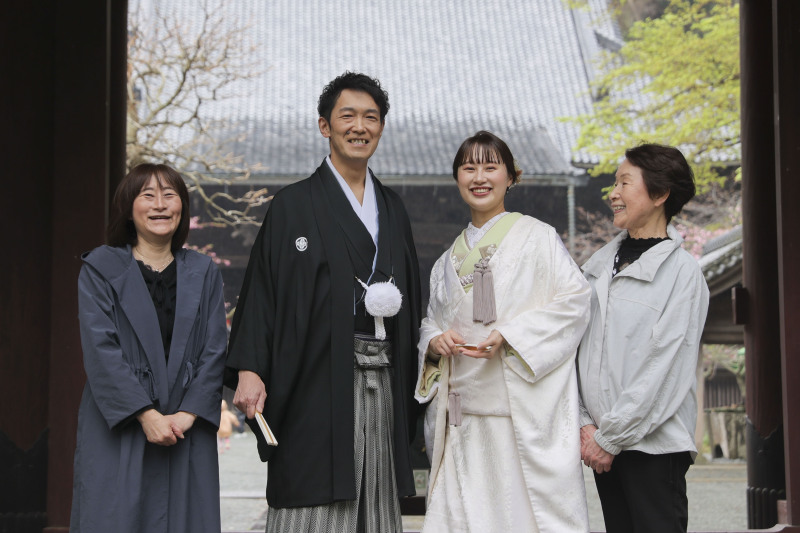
[
  {"x": 786, "y": 80},
  {"x": 765, "y": 457},
  {"x": 90, "y": 77},
  {"x": 26, "y": 135}
]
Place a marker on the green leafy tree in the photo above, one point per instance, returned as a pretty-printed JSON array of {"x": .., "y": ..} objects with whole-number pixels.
[{"x": 675, "y": 81}]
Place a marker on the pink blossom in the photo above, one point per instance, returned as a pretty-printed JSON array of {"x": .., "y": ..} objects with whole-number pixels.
[{"x": 207, "y": 250}]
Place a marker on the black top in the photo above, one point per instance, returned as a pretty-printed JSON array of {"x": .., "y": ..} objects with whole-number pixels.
[
  {"x": 632, "y": 249},
  {"x": 163, "y": 289}
]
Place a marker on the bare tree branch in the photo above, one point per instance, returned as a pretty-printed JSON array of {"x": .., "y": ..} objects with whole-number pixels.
[{"x": 175, "y": 71}]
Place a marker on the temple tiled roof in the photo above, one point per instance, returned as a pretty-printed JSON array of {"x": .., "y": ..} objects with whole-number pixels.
[
  {"x": 721, "y": 261},
  {"x": 451, "y": 67}
]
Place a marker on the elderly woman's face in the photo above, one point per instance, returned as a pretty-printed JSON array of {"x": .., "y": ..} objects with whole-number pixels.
[
  {"x": 156, "y": 212},
  {"x": 633, "y": 208}
]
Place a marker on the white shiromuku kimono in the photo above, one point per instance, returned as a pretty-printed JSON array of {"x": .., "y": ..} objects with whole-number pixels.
[{"x": 514, "y": 462}]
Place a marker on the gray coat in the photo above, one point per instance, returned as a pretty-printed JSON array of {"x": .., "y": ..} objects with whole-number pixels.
[{"x": 123, "y": 483}]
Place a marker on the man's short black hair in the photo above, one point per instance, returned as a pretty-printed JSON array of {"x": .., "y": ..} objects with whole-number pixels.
[{"x": 356, "y": 82}]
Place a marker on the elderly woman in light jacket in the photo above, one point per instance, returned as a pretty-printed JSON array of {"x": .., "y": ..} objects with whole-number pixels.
[{"x": 637, "y": 359}]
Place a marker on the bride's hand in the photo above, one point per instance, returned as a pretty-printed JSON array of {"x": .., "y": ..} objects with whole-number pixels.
[
  {"x": 488, "y": 348},
  {"x": 445, "y": 344}
]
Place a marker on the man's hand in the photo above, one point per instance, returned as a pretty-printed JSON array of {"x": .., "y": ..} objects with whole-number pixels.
[
  {"x": 592, "y": 454},
  {"x": 181, "y": 422},
  {"x": 157, "y": 428},
  {"x": 250, "y": 393}
]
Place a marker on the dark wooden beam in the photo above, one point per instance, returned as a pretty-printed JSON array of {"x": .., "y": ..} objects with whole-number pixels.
[
  {"x": 786, "y": 80},
  {"x": 26, "y": 137},
  {"x": 765, "y": 458},
  {"x": 90, "y": 75}
]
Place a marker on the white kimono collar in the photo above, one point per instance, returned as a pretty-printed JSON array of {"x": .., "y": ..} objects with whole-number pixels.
[{"x": 367, "y": 211}]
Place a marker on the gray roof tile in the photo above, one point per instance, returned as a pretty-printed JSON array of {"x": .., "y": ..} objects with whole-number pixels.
[{"x": 451, "y": 67}]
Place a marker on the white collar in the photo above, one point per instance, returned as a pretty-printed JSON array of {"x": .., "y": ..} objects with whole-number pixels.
[
  {"x": 367, "y": 211},
  {"x": 472, "y": 234}
]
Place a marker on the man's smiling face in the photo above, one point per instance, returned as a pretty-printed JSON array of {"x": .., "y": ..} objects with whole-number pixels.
[{"x": 354, "y": 129}]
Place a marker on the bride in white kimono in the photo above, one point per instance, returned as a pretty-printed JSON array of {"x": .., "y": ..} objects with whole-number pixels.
[{"x": 508, "y": 307}]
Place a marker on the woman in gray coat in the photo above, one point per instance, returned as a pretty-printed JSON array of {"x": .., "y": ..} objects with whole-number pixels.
[{"x": 153, "y": 332}]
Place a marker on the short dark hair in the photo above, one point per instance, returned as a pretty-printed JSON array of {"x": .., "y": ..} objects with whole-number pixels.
[
  {"x": 121, "y": 230},
  {"x": 664, "y": 170},
  {"x": 356, "y": 82},
  {"x": 485, "y": 147}
]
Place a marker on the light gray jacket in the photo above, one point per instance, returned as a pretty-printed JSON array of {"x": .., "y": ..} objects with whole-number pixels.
[{"x": 638, "y": 357}]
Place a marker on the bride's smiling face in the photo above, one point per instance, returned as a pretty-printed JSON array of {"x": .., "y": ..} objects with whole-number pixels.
[{"x": 483, "y": 186}]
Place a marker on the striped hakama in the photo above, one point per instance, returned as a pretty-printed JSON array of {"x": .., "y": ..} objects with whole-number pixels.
[{"x": 376, "y": 508}]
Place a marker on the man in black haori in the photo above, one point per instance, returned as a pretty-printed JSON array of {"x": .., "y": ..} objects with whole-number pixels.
[{"x": 325, "y": 332}]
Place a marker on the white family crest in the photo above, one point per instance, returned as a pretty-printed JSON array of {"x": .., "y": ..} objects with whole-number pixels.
[{"x": 301, "y": 243}]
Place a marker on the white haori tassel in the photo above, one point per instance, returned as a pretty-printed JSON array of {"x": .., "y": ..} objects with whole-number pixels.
[
  {"x": 383, "y": 299},
  {"x": 483, "y": 304}
]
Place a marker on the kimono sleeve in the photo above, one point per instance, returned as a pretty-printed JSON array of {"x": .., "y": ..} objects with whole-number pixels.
[
  {"x": 545, "y": 337},
  {"x": 427, "y": 378},
  {"x": 254, "y": 319},
  {"x": 111, "y": 379},
  {"x": 204, "y": 395}
]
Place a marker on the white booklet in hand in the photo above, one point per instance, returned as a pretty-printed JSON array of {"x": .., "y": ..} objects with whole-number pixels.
[{"x": 265, "y": 430}]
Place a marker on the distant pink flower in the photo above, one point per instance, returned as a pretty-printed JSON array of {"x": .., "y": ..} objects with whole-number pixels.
[
  {"x": 207, "y": 250},
  {"x": 695, "y": 237}
]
